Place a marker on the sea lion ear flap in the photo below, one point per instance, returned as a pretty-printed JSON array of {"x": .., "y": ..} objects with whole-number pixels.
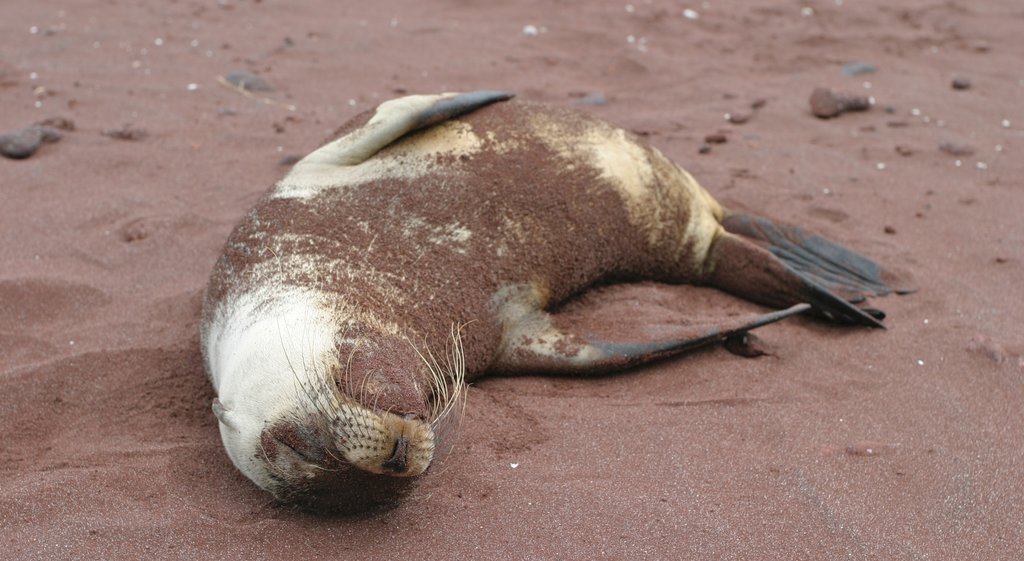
[
  {"x": 538, "y": 346},
  {"x": 223, "y": 414},
  {"x": 395, "y": 118}
]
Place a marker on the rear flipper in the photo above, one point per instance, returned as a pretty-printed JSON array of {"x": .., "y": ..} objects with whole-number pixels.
[
  {"x": 780, "y": 265},
  {"x": 535, "y": 345}
]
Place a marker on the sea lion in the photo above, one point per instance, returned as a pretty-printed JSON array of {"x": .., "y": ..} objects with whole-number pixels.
[{"x": 427, "y": 244}]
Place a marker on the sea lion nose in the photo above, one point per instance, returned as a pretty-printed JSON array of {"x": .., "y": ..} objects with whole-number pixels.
[{"x": 399, "y": 461}]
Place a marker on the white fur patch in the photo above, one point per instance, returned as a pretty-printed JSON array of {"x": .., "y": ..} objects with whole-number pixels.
[{"x": 262, "y": 347}]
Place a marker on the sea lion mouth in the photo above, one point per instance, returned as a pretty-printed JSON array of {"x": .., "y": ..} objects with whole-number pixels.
[{"x": 399, "y": 461}]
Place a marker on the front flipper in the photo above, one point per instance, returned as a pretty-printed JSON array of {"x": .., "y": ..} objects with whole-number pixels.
[
  {"x": 534, "y": 345},
  {"x": 395, "y": 118}
]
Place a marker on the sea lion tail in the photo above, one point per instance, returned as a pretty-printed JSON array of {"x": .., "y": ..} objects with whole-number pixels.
[
  {"x": 395, "y": 118},
  {"x": 780, "y": 265}
]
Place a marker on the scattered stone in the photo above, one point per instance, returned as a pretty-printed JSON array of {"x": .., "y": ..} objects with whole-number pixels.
[
  {"x": 21, "y": 144},
  {"x": 889, "y": 109},
  {"x": 704, "y": 149},
  {"x": 127, "y": 132},
  {"x": 738, "y": 118},
  {"x": 716, "y": 138},
  {"x": 826, "y": 104},
  {"x": 858, "y": 69},
  {"x": 135, "y": 231},
  {"x": 247, "y": 81},
  {"x": 747, "y": 345},
  {"x": 289, "y": 160},
  {"x": 889, "y": 230},
  {"x": 758, "y": 103},
  {"x": 62, "y": 123},
  {"x": 961, "y": 83},
  {"x": 593, "y": 99},
  {"x": 987, "y": 348},
  {"x": 955, "y": 149},
  {"x": 903, "y": 150}
]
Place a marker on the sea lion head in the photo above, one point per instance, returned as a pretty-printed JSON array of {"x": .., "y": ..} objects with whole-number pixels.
[{"x": 331, "y": 415}]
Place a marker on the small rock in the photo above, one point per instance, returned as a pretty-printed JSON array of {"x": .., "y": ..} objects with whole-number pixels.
[
  {"x": 62, "y": 123},
  {"x": 704, "y": 149},
  {"x": 758, "y": 103},
  {"x": 289, "y": 160},
  {"x": 126, "y": 132},
  {"x": 826, "y": 104},
  {"x": 716, "y": 138},
  {"x": 988, "y": 348},
  {"x": 961, "y": 83},
  {"x": 21, "y": 144},
  {"x": 889, "y": 230},
  {"x": 747, "y": 345},
  {"x": 247, "y": 81},
  {"x": 903, "y": 150},
  {"x": 134, "y": 231},
  {"x": 738, "y": 118},
  {"x": 956, "y": 149},
  {"x": 858, "y": 69},
  {"x": 593, "y": 99}
]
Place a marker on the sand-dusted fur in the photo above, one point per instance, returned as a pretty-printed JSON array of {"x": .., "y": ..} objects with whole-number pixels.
[{"x": 389, "y": 266}]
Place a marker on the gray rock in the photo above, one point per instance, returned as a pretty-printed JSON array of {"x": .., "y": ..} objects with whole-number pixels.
[
  {"x": 21, "y": 144},
  {"x": 858, "y": 69},
  {"x": 248, "y": 81}
]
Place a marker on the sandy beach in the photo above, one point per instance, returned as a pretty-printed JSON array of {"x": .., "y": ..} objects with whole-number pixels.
[{"x": 843, "y": 442}]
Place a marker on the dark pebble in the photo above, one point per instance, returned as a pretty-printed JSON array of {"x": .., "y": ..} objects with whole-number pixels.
[
  {"x": 961, "y": 83},
  {"x": 826, "y": 104},
  {"x": 758, "y": 103},
  {"x": 704, "y": 149},
  {"x": 62, "y": 123},
  {"x": 289, "y": 160},
  {"x": 135, "y": 231},
  {"x": 889, "y": 230},
  {"x": 858, "y": 68},
  {"x": 21, "y": 144},
  {"x": 127, "y": 132},
  {"x": 716, "y": 138},
  {"x": 904, "y": 150},
  {"x": 248, "y": 81},
  {"x": 747, "y": 345}
]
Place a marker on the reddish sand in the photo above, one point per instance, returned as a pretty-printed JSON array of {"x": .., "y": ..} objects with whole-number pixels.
[{"x": 853, "y": 443}]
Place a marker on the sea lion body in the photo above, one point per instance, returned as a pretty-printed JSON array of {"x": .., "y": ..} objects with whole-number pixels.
[{"x": 352, "y": 302}]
